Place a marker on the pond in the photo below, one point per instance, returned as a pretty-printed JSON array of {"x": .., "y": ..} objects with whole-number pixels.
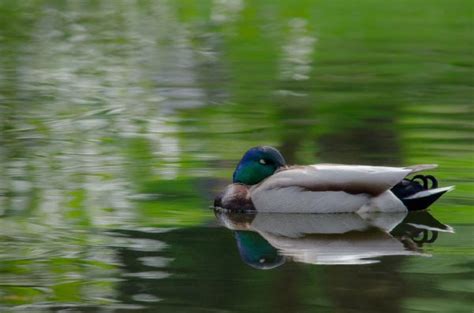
[{"x": 120, "y": 121}]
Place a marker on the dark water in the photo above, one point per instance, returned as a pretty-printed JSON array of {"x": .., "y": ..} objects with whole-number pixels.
[{"x": 121, "y": 120}]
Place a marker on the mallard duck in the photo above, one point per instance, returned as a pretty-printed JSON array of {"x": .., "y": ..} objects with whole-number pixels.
[{"x": 263, "y": 182}]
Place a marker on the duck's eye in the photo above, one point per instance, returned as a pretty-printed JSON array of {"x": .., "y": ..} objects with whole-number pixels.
[{"x": 262, "y": 161}]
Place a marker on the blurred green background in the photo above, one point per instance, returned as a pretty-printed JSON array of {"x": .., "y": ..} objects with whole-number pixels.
[{"x": 131, "y": 115}]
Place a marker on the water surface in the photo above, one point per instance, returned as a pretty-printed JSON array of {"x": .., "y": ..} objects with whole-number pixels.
[{"x": 120, "y": 121}]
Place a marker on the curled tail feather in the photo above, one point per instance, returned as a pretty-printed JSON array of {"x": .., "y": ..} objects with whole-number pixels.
[{"x": 419, "y": 192}]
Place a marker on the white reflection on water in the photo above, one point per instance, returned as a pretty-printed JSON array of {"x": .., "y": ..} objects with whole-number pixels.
[
  {"x": 298, "y": 50},
  {"x": 226, "y": 10},
  {"x": 139, "y": 244},
  {"x": 93, "y": 81},
  {"x": 143, "y": 297},
  {"x": 155, "y": 261},
  {"x": 148, "y": 275}
]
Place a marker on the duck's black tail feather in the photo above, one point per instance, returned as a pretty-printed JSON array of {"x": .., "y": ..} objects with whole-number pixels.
[{"x": 419, "y": 192}]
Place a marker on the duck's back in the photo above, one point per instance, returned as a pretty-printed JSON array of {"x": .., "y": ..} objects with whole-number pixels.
[{"x": 328, "y": 188}]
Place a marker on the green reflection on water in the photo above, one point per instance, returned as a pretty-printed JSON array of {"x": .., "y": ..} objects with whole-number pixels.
[{"x": 132, "y": 115}]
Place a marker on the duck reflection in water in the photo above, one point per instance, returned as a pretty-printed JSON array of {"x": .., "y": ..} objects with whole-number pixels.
[{"x": 266, "y": 241}]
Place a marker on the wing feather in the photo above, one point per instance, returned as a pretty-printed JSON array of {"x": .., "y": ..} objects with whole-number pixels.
[
  {"x": 331, "y": 188},
  {"x": 352, "y": 179}
]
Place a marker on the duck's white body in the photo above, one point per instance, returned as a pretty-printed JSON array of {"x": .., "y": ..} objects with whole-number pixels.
[{"x": 330, "y": 188}]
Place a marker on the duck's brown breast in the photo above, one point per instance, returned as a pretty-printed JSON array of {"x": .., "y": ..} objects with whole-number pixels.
[{"x": 236, "y": 197}]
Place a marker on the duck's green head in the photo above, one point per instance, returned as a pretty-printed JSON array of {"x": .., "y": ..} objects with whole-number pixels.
[{"x": 257, "y": 164}]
